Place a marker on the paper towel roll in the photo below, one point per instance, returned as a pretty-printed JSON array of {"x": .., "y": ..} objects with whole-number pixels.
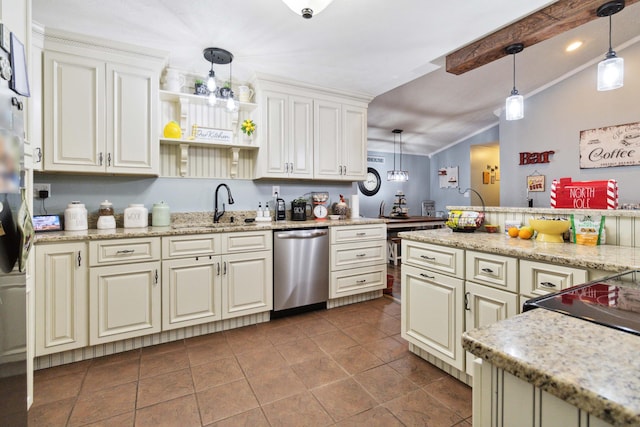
[{"x": 355, "y": 206}]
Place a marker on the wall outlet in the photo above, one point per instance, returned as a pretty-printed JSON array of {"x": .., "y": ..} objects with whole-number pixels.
[
  {"x": 41, "y": 187},
  {"x": 275, "y": 191}
]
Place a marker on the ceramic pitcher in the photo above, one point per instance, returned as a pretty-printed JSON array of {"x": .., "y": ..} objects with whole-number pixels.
[
  {"x": 173, "y": 80},
  {"x": 245, "y": 93}
]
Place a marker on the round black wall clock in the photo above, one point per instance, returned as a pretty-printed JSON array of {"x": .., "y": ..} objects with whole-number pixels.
[{"x": 371, "y": 185}]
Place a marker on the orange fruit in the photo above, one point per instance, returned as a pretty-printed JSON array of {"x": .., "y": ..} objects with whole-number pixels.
[
  {"x": 525, "y": 233},
  {"x": 513, "y": 232}
]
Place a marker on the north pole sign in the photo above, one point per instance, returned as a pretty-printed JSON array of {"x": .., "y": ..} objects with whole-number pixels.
[{"x": 569, "y": 194}]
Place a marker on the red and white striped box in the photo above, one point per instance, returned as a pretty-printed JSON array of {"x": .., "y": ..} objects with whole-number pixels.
[{"x": 569, "y": 194}]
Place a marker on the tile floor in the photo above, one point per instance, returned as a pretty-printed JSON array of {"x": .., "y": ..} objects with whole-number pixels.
[{"x": 344, "y": 367}]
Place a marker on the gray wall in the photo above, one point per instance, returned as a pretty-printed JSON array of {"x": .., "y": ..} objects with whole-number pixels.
[
  {"x": 416, "y": 189},
  {"x": 182, "y": 195},
  {"x": 458, "y": 155},
  {"x": 553, "y": 121}
]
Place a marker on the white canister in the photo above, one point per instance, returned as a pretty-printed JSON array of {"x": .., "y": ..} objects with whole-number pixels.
[
  {"x": 245, "y": 93},
  {"x": 75, "y": 217},
  {"x": 136, "y": 216},
  {"x": 160, "y": 215},
  {"x": 173, "y": 80}
]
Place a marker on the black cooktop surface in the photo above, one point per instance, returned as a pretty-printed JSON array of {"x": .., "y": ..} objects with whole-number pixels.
[{"x": 613, "y": 301}]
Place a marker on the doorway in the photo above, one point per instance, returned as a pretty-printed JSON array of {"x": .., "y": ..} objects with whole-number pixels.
[{"x": 485, "y": 173}]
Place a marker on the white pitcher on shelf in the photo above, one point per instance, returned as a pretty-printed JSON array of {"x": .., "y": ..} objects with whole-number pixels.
[
  {"x": 173, "y": 80},
  {"x": 245, "y": 93}
]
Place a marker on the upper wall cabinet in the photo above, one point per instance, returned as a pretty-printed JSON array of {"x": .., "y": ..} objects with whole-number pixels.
[
  {"x": 100, "y": 106},
  {"x": 310, "y": 133}
]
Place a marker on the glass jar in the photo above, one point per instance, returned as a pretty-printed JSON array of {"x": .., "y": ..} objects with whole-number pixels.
[{"x": 106, "y": 208}]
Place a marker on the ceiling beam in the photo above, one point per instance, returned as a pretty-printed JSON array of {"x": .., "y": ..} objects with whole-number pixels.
[{"x": 561, "y": 16}]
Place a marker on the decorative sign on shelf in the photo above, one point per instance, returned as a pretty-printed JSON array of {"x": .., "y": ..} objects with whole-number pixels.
[
  {"x": 202, "y": 133},
  {"x": 610, "y": 146},
  {"x": 533, "y": 158},
  {"x": 448, "y": 177},
  {"x": 584, "y": 194}
]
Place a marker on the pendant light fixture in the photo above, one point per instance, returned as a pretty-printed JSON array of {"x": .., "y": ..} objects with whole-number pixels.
[
  {"x": 611, "y": 68},
  {"x": 514, "y": 106},
  {"x": 215, "y": 55},
  {"x": 397, "y": 175},
  {"x": 307, "y": 8}
]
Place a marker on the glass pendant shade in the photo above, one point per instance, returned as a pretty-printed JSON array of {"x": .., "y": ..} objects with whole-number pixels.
[
  {"x": 610, "y": 73},
  {"x": 514, "y": 107},
  {"x": 397, "y": 175},
  {"x": 211, "y": 82},
  {"x": 307, "y": 8}
]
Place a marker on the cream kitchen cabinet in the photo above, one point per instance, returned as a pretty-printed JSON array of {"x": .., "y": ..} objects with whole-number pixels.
[
  {"x": 124, "y": 289},
  {"x": 61, "y": 287},
  {"x": 357, "y": 259},
  {"x": 100, "y": 108},
  {"x": 287, "y": 140},
  {"x": 340, "y": 141},
  {"x": 538, "y": 278}
]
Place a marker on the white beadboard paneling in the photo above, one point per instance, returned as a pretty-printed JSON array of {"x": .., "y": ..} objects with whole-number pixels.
[
  {"x": 459, "y": 375},
  {"x": 205, "y": 162},
  {"x": 352, "y": 299}
]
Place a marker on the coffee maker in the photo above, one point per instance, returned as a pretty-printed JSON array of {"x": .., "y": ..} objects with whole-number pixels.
[{"x": 280, "y": 209}]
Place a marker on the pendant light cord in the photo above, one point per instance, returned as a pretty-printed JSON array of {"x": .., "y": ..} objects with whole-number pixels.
[
  {"x": 514, "y": 91},
  {"x": 610, "y": 26},
  {"x": 394, "y": 152},
  {"x": 401, "y": 152}
]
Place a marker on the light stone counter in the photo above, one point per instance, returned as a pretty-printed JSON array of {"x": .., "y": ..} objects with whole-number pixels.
[
  {"x": 592, "y": 367},
  {"x": 603, "y": 257},
  {"x": 197, "y": 225}
]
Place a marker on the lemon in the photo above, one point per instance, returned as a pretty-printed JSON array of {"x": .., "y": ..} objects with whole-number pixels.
[{"x": 172, "y": 130}]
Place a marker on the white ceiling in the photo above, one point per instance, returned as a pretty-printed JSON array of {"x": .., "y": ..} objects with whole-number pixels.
[{"x": 393, "y": 50}]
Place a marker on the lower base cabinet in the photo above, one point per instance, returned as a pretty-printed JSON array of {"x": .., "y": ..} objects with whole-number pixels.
[
  {"x": 124, "y": 301},
  {"x": 247, "y": 283},
  {"x": 500, "y": 399}
]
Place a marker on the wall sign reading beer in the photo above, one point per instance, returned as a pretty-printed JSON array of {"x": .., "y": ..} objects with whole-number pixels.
[{"x": 610, "y": 146}]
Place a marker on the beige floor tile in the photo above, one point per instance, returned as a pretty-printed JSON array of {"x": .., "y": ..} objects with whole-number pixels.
[
  {"x": 389, "y": 325},
  {"x": 103, "y": 404},
  {"x": 376, "y": 417},
  {"x": 162, "y": 363},
  {"x": 356, "y": 359},
  {"x": 453, "y": 394},
  {"x": 123, "y": 420},
  {"x": 387, "y": 349},
  {"x": 75, "y": 368},
  {"x": 415, "y": 369},
  {"x": 224, "y": 401},
  {"x": 347, "y": 319},
  {"x": 418, "y": 408},
  {"x": 106, "y": 375},
  {"x": 160, "y": 388},
  {"x": 333, "y": 342},
  {"x": 284, "y": 334},
  {"x": 344, "y": 398},
  {"x": 318, "y": 372},
  {"x": 276, "y": 384},
  {"x": 211, "y": 339},
  {"x": 218, "y": 372},
  {"x": 208, "y": 352},
  {"x": 162, "y": 348},
  {"x": 116, "y": 358},
  {"x": 52, "y": 414},
  {"x": 316, "y": 326},
  {"x": 182, "y": 412},
  {"x": 261, "y": 360},
  {"x": 364, "y": 333},
  {"x": 252, "y": 418},
  {"x": 297, "y": 411},
  {"x": 384, "y": 383},
  {"x": 56, "y": 388},
  {"x": 300, "y": 350},
  {"x": 258, "y": 341}
]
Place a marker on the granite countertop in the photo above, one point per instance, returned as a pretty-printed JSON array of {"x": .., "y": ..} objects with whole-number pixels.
[
  {"x": 590, "y": 366},
  {"x": 194, "y": 227},
  {"x": 603, "y": 257}
]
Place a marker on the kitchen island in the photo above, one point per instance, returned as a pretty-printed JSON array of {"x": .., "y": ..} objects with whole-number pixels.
[{"x": 589, "y": 366}]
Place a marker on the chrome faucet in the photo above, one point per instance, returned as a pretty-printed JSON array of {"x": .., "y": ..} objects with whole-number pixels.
[{"x": 217, "y": 215}]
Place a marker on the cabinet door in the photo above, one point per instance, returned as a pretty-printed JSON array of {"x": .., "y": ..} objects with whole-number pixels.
[
  {"x": 432, "y": 313},
  {"x": 61, "y": 297},
  {"x": 300, "y": 145},
  {"x": 273, "y": 150},
  {"x": 247, "y": 286},
  {"x": 74, "y": 113},
  {"x": 191, "y": 291},
  {"x": 124, "y": 301},
  {"x": 484, "y": 306},
  {"x": 354, "y": 142},
  {"x": 327, "y": 140},
  {"x": 132, "y": 103}
]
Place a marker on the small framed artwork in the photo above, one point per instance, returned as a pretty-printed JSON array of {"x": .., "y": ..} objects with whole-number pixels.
[
  {"x": 19, "y": 80},
  {"x": 535, "y": 183},
  {"x": 485, "y": 177},
  {"x": 201, "y": 133}
]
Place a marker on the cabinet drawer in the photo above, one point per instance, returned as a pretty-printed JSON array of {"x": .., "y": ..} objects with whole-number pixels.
[
  {"x": 192, "y": 245},
  {"x": 104, "y": 252},
  {"x": 357, "y": 280},
  {"x": 434, "y": 257},
  {"x": 494, "y": 270},
  {"x": 537, "y": 278},
  {"x": 351, "y": 255},
  {"x": 358, "y": 233},
  {"x": 247, "y": 241}
]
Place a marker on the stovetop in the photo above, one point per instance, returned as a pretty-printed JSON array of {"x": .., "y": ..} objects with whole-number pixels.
[{"x": 612, "y": 301}]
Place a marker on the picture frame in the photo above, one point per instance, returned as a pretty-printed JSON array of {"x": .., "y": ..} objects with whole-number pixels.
[
  {"x": 485, "y": 177},
  {"x": 19, "y": 82},
  {"x": 535, "y": 183},
  {"x": 202, "y": 133}
]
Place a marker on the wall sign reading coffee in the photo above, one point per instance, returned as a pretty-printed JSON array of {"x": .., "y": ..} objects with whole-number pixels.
[{"x": 610, "y": 146}]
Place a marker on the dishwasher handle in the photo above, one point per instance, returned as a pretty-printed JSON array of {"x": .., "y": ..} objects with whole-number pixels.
[{"x": 301, "y": 234}]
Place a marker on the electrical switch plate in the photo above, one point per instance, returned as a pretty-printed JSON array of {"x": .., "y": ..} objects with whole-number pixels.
[
  {"x": 37, "y": 188},
  {"x": 275, "y": 190}
]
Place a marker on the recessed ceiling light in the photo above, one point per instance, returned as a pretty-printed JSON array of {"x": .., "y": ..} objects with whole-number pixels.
[{"x": 573, "y": 46}]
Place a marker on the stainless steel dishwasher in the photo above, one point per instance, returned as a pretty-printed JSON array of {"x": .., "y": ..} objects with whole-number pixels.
[{"x": 300, "y": 268}]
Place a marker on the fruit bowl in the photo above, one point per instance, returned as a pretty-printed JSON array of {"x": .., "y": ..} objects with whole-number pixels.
[
  {"x": 550, "y": 230},
  {"x": 465, "y": 221}
]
